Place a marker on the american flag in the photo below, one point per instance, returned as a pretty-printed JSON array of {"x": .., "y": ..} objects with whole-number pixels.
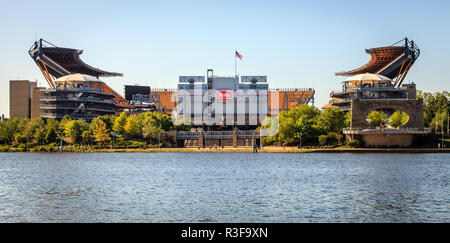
[{"x": 239, "y": 55}]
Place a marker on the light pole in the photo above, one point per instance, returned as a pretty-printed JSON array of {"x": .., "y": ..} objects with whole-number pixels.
[
  {"x": 159, "y": 140},
  {"x": 61, "y": 142},
  {"x": 300, "y": 144},
  {"x": 448, "y": 122},
  {"x": 442, "y": 132},
  {"x": 114, "y": 135}
]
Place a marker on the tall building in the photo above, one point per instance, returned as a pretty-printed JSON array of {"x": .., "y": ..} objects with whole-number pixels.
[{"x": 24, "y": 99}]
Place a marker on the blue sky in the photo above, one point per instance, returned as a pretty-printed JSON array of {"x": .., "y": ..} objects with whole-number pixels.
[{"x": 295, "y": 43}]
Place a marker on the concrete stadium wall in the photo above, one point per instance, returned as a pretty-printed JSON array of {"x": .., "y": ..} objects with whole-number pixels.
[
  {"x": 388, "y": 140},
  {"x": 362, "y": 108}
]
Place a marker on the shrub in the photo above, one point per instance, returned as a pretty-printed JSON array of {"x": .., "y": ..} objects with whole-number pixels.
[
  {"x": 354, "y": 143},
  {"x": 4, "y": 148},
  {"x": 323, "y": 139},
  {"x": 377, "y": 118}
]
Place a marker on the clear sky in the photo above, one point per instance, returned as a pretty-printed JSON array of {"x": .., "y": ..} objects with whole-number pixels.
[{"x": 295, "y": 43}]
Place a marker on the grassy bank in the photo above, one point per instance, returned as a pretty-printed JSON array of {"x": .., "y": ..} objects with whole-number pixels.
[{"x": 267, "y": 149}]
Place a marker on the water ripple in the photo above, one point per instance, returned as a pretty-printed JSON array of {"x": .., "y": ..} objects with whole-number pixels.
[{"x": 229, "y": 187}]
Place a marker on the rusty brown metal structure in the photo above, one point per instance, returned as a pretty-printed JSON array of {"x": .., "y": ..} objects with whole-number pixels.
[{"x": 392, "y": 61}]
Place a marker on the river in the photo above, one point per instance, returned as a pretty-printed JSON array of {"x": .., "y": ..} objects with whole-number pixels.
[{"x": 224, "y": 187}]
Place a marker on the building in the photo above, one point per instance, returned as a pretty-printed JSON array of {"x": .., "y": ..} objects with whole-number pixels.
[
  {"x": 222, "y": 101},
  {"x": 226, "y": 110},
  {"x": 369, "y": 86},
  {"x": 80, "y": 96},
  {"x": 24, "y": 98},
  {"x": 275, "y": 100},
  {"x": 379, "y": 86},
  {"x": 74, "y": 88}
]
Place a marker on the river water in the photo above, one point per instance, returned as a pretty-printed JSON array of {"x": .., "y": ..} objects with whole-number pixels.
[{"x": 224, "y": 187}]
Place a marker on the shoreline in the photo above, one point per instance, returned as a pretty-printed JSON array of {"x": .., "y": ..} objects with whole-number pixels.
[{"x": 268, "y": 149}]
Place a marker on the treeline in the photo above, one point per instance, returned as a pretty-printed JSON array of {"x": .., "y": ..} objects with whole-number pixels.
[
  {"x": 104, "y": 131},
  {"x": 436, "y": 109},
  {"x": 306, "y": 125}
]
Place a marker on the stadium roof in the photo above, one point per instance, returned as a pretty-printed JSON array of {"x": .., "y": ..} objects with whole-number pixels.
[
  {"x": 391, "y": 61},
  {"x": 64, "y": 61}
]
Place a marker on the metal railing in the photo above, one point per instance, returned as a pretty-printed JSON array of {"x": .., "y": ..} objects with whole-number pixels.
[
  {"x": 44, "y": 98},
  {"x": 290, "y": 89},
  {"x": 217, "y": 134},
  {"x": 405, "y": 130},
  {"x": 367, "y": 89},
  {"x": 84, "y": 108}
]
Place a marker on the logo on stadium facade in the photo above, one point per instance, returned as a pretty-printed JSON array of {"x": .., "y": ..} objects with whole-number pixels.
[{"x": 224, "y": 96}]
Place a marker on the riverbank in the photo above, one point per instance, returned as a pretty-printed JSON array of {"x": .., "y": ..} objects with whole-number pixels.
[
  {"x": 267, "y": 149},
  {"x": 274, "y": 149}
]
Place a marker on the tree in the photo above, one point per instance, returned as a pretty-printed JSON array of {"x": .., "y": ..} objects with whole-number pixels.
[
  {"x": 348, "y": 119},
  {"x": 86, "y": 137},
  {"x": 299, "y": 122},
  {"x": 398, "y": 119},
  {"x": 131, "y": 128},
  {"x": 331, "y": 120},
  {"x": 441, "y": 118},
  {"x": 40, "y": 135},
  {"x": 73, "y": 131},
  {"x": 63, "y": 122},
  {"x": 100, "y": 131},
  {"x": 35, "y": 130},
  {"x": 183, "y": 124},
  {"x": 434, "y": 104},
  {"x": 151, "y": 129},
  {"x": 377, "y": 118},
  {"x": 51, "y": 135},
  {"x": 10, "y": 128},
  {"x": 119, "y": 123}
]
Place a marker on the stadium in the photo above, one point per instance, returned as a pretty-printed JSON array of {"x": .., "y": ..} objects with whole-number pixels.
[
  {"x": 379, "y": 86},
  {"x": 76, "y": 89}
]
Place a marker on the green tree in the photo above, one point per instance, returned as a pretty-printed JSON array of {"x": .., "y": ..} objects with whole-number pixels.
[
  {"x": 377, "y": 118},
  {"x": 101, "y": 132},
  {"x": 183, "y": 124},
  {"x": 51, "y": 135},
  {"x": 63, "y": 122},
  {"x": 348, "y": 119},
  {"x": 35, "y": 130},
  {"x": 19, "y": 138},
  {"x": 87, "y": 137},
  {"x": 73, "y": 131},
  {"x": 10, "y": 128},
  {"x": 131, "y": 128},
  {"x": 299, "y": 122},
  {"x": 439, "y": 122},
  {"x": 331, "y": 120},
  {"x": 434, "y": 104},
  {"x": 119, "y": 123},
  {"x": 151, "y": 129},
  {"x": 398, "y": 118},
  {"x": 40, "y": 135}
]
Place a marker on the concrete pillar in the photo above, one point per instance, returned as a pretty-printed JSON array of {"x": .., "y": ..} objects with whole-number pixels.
[
  {"x": 201, "y": 141},
  {"x": 235, "y": 140}
]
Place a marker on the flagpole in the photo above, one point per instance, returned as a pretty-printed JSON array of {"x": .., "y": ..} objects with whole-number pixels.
[{"x": 235, "y": 63}]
